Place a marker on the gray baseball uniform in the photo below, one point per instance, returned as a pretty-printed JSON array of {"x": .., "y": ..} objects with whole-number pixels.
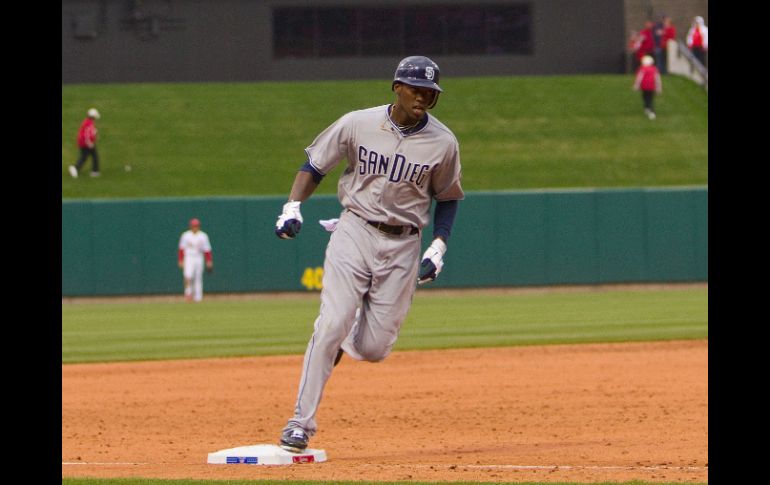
[{"x": 370, "y": 274}]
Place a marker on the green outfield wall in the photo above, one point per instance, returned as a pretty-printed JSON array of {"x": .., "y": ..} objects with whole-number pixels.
[{"x": 517, "y": 238}]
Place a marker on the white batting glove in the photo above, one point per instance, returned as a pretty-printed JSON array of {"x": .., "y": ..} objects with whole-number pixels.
[
  {"x": 290, "y": 221},
  {"x": 329, "y": 224},
  {"x": 432, "y": 261}
]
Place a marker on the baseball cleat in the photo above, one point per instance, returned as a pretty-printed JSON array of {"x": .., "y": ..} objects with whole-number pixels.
[{"x": 294, "y": 440}]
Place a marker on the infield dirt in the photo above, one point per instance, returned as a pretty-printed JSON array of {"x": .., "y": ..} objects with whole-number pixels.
[{"x": 582, "y": 413}]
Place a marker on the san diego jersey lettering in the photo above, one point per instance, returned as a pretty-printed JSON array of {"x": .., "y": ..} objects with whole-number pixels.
[
  {"x": 399, "y": 170},
  {"x": 380, "y": 183}
]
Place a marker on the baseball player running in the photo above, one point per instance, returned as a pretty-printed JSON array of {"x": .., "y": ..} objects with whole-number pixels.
[
  {"x": 194, "y": 248},
  {"x": 398, "y": 159}
]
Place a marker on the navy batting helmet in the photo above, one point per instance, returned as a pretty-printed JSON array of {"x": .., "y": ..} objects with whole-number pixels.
[{"x": 418, "y": 71}]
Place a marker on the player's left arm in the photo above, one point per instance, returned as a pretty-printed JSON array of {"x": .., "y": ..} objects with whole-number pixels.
[
  {"x": 207, "y": 254},
  {"x": 180, "y": 252},
  {"x": 445, "y": 182},
  {"x": 433, "y": 258}
]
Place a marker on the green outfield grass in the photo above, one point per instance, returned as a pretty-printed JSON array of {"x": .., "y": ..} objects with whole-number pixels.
[
  {"x": 515, "y": 133},
  {"x": 100, "y": 332}
]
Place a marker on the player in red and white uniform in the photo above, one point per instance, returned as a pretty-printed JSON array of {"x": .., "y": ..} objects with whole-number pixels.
[{"x": 194, "y": 252}]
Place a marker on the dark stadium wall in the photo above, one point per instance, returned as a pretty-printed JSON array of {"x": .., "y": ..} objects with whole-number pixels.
[{"x": 121, "y": 41}]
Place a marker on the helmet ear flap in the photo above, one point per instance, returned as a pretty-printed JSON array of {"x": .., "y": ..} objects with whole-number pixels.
[{"x": 435, "y": 100}]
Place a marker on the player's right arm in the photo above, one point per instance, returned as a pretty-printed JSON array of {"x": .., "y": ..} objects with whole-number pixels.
[
  {"x": 180, "y": 252},
  {"x": 289, "y": 222},
  {"x": 326, "y": 151},
  {"x": 303, "y": 187}
]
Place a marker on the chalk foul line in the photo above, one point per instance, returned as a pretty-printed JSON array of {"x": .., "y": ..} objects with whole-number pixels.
[
  {"x": 585, "y": 467},
  {"x": 476, "y": 467},
  {"x": 113, "y": 463}
]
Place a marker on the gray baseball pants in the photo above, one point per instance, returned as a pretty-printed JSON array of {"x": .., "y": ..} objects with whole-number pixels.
[{"x": 368, "y": 284}]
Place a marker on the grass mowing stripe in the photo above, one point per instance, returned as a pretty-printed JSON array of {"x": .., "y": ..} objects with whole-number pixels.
[
  {"x": 557, "y": 329},
  {"x": 516, "y": 132},
  {"x": 156, "y": 331}
]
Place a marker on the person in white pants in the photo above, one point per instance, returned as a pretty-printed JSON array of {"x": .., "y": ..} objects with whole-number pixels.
[{"x": 194, "y": 249}]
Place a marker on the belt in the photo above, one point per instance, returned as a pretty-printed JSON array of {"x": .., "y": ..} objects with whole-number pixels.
[
  {"x": 396, "y": 230},
  {"x": 387, "y": 228}
]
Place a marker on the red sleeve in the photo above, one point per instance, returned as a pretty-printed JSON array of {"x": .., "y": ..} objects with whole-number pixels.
[
  {"x": 670, "y": 34},
  {"x": 87, "y": 134},
  {"x": 82, "y": 135},
  {"x": 92, "y": 135},
  {"x": 207, "y": 255},
  {"x": 181, "y": 254}
]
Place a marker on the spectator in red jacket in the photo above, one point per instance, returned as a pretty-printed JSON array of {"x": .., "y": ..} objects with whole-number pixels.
[
  {"x": 648, "y": 82},
  {"x": 665, "y": 32},
  {"x": 698, "y": 39},
  {"x": 669, "y": 31},
  {"x": 634, "y": 41},
  {"x": 645, "y": 42},
  {"x": 87, "y": 145}
]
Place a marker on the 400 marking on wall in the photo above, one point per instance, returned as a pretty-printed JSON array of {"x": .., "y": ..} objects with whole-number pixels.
[{"x": 312, "y": 278}]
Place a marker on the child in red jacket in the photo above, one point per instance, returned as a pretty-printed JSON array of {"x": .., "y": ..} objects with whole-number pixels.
[
  {"x": 87, "y": 145},
  {"x": 648, "y": 82}
]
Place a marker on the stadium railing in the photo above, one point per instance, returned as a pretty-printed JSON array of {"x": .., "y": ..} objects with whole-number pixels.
[{"x": 682, "y": 62}]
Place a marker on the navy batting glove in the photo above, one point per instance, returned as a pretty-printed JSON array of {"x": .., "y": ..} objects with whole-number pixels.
[
  {"x": 290, "y": 221},
  {"x": 289, "y": 230},
  {"x": 428, "y": 273},
  {"x": 432, "y": 261}
]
